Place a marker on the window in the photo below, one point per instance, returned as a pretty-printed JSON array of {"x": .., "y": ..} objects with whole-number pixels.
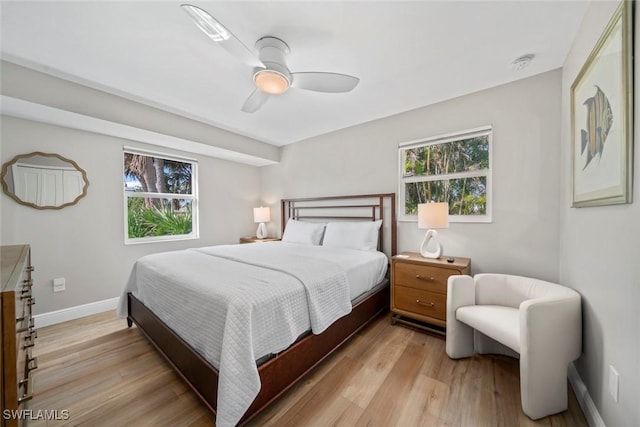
[
  {"x": 452, "y": 168},
  {"x": 160, "y": 195}
]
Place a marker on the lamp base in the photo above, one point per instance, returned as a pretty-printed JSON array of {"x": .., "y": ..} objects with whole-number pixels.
[
  {"x": 261, "y": 232},
  {"x": 431, "y": 235}
]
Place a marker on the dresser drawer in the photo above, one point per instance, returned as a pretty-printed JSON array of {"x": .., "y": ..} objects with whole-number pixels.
[
  {"x": 17, "y": 329},
  {"x": 22, "y": 358},
  {"x": 426, "y": 303},
  {"x": 422, "y": 277},
  {"x": 26, "y": 365},
  {"x": 24, "y": 301}
]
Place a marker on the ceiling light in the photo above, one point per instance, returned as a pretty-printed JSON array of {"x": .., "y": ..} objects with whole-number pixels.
[
  {"x": 271, "y": 82},
  {"x": 522, "y": 62},
  {"x": 215, "y": 30}
]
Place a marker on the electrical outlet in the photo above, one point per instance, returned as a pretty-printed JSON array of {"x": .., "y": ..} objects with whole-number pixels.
[
  {"x": 614, "y": 378},
  {"x": 59, "y": 284}
]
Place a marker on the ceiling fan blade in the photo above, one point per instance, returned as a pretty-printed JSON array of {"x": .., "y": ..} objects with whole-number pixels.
[
  {"x": 324, "y": 82},
  {"x": 221, "y": 35},
  {"x": 256, "y": 100}
]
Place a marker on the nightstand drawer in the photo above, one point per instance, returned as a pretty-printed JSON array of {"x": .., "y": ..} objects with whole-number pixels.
[
  {"x": 422, "y": 277},
  {"x": 417, "y": 301}
]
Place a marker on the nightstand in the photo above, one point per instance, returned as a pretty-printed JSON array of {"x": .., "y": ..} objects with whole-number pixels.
[
  {"x": 254, "y": 239},
  {"x": 419, "y": 289}
]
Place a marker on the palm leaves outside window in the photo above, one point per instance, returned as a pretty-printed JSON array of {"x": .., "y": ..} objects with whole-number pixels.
[{"x": 159, "y": 195}]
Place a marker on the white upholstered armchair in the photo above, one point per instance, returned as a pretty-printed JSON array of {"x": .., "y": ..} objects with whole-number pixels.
[{"x": 539, "y": 322}]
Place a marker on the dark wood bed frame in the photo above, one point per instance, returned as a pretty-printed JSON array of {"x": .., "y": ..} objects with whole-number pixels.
[{"x": 285, "y": 369}]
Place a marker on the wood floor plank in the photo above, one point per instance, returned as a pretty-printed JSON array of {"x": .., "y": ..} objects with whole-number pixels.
[
  {"x": 386, "y": 406},
  {"x": 377, "y": 362},
  {"x": 105, "y": 374},
  {"x": 319, "y": 397},
  {"x": 424, "y": 403}
]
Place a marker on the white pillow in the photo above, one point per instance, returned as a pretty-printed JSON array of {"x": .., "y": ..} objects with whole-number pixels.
[
  {"x": 353, "y": 235},
  {"x": 308, "y": 233}
]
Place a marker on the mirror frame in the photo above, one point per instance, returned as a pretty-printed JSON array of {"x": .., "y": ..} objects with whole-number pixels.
[{"x": 6, "y": 167}]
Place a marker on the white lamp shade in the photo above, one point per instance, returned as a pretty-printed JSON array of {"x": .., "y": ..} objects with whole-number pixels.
[
  {"x": 433, "y": 215},
  {"x": 261, "y": 214}
]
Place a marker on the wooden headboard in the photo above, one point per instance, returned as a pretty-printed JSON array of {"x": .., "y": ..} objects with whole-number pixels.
[{"x": 360, "y": 207}]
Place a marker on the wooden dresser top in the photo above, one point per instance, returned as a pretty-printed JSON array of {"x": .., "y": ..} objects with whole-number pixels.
[{"x": 11, "y": 266}]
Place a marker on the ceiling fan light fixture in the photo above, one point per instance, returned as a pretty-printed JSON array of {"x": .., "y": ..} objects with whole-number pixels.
[
  {"x": 215, "y": 30},
  {"x": 271, "y": 82}
]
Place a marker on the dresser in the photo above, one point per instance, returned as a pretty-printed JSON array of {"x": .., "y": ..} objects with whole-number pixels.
[
  {"x": 17, "y": 331},
  {"x": 419, "y": 289}
]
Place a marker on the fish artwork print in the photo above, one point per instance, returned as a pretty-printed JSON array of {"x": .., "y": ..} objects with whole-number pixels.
[{"x": 599, "y": 121}]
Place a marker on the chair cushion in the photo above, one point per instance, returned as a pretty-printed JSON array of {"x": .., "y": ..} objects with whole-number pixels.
[{"x": 497, "y": 322}]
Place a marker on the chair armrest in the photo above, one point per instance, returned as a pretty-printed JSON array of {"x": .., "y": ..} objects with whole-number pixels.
[
  {"x": 550, "y": 338},
  {"x": 553, "y": 326},
  {"x": 460, "y": 292}
]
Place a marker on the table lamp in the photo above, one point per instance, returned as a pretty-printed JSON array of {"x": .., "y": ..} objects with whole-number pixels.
[
  {"x": 431, "y": 216},
  {"x": 261, "y": 215}
]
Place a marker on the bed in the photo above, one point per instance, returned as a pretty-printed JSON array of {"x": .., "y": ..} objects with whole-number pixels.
[{"x": 240, "y": 349}]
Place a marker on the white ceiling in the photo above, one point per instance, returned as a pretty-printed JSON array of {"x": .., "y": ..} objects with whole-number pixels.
[{"x": 407, "y": 54}]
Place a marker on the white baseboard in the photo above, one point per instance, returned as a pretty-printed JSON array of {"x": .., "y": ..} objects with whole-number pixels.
[
  {"x": 584, "y": 399},
  {"x": 59, "y": 316}
]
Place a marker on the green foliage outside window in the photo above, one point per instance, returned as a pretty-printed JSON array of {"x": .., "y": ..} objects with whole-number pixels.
[
  {"x": 466, "y": 196},
  {"x": 453, "y": 171},
  {"x": 148, "y": 222},
  {"x": 159, "y": 195}
]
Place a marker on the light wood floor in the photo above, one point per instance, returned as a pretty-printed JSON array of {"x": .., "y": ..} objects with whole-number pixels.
[{"x": 106, "y": 374}]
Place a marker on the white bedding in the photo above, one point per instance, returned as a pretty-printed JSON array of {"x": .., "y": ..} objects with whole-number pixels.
[{"x": 237, "y": 303}]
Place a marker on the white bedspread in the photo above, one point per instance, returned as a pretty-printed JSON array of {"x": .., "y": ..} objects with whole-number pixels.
[
  {"x": 325, "y": 283},
  {"x": 237, "y": 303}
]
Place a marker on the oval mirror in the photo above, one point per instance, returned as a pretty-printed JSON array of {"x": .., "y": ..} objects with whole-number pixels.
[{"x": 44, "y": 180}]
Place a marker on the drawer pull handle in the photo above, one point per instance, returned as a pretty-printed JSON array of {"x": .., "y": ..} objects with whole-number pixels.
[
  {"x": 26, "y": 328},
  {"x": 425, "y": 278},
  {"x": 31, "y": 300},
  {"x": 29, "y": 269},
  {"x": 428, "y": 304},
  {"x": 25, "y": 397},
  {"x": 28, "y": 394},
  {"x": 31, "y": 367},
  {"x": 29, "y": 342},
  {"x": 25, "y": 294}
]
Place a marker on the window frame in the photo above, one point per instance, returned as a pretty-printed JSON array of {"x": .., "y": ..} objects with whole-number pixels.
[
  {"x": 443, "y": 139},
  {"x": 193, "y": 197}
]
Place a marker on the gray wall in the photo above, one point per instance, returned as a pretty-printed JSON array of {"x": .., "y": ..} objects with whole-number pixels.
[
  {"x": 85, "y": 243},
  {"x": 523, "y": 237},
  {"x": 600, "y": 257}
]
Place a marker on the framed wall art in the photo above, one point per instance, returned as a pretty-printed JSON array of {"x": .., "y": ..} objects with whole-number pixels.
[{"x": 602, "y": 117}]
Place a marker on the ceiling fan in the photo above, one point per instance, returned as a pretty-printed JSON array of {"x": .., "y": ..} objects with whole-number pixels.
[{"x": 270, "y": 72}]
